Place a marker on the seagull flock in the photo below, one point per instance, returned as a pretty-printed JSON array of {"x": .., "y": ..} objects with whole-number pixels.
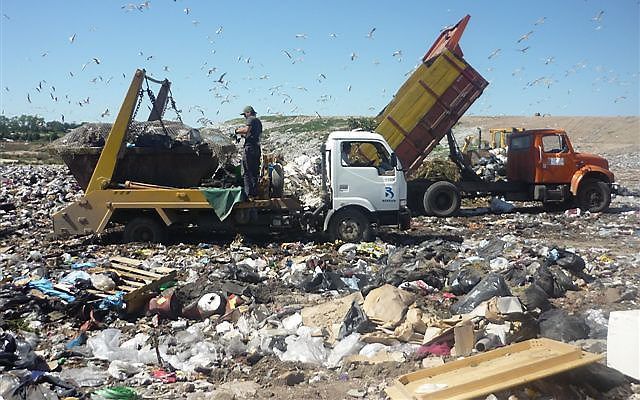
[{"x": 221, "y": 81}]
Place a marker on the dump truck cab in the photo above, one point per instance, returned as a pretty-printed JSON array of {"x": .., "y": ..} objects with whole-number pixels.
[
  {"x": 545, "y": 159},
  {"x": 365, "y": 181}
]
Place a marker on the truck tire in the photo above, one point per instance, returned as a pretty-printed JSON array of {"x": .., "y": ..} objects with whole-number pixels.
[
  {"x": 441, "y": 199},
  {"x": 594, "y": 196},
  {"x": 277, "y": 181},
  {"x": 145, "y": 229},
  {"x": 350, "y": 226}
]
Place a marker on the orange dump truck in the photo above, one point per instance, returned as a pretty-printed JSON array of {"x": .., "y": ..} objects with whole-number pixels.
[{"x": 541, "y": 164}]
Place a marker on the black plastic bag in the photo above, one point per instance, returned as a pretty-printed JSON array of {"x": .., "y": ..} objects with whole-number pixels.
[
  {"x": 559, "y": 325},
  {"x": 323, "y": 281},
  {"x": 535, "y": 297},
  {"x": 463, "y": 280},
  {"x": 243, "y": 273},
  {"x": 490, "y": 286}
]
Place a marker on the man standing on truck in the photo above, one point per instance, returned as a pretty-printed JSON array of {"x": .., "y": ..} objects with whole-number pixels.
[{"x": 251, "y": 153}]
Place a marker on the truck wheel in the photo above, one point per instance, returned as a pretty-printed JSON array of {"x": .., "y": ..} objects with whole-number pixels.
[
  {"x": 277, "y": 181},
  {"x": 594, "y": 196},
  {"x": 350, "y": 226},
  {"x": 145, "y": 229},
  {"x": 441, "y": 199}
]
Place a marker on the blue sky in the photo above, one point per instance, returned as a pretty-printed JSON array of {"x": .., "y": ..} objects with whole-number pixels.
[{"x": 582, "y": 57}]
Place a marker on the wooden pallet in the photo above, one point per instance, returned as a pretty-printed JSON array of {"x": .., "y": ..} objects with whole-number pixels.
[
  {"x": 492, "y": 371},
  {"x": 138, "y": 284}
]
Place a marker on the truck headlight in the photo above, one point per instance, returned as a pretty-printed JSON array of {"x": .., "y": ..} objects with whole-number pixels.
[{"x": 403, "y": 202}]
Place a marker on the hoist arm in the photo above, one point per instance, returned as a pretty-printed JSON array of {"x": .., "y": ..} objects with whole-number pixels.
[{"x": 106, "y": 165}]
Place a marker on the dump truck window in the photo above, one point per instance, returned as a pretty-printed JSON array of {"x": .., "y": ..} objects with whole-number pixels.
[
  {"x": 552, "y": 144},
  {"x": 366, "y": 154},
  {"x": 520, "y": 142}
]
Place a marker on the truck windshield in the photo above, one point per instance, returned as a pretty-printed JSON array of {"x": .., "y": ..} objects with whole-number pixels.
[{"x": 367, "y": 154}]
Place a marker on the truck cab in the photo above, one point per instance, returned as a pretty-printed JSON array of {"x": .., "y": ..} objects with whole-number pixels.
[
  {"x": 545, "y": 159},
  {"x": 365, "y": 186}
]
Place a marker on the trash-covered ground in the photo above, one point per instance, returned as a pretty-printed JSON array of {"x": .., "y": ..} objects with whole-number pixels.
[{"x": 288, "y": 317}]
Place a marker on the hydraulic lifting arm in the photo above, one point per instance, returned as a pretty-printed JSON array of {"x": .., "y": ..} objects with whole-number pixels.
[{"x": 103, "y": 172}]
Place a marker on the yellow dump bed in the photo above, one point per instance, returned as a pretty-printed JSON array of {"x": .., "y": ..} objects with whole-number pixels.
[{"x": 432, "y": 100}]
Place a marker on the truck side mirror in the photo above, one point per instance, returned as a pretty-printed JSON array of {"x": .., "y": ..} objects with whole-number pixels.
[{"x": 394, "y": 160}]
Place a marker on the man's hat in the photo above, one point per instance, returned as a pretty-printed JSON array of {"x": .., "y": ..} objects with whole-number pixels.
[{"x": 248, "y": 109}]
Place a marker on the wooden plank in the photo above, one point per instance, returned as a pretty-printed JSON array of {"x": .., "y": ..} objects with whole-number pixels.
[
  {"x": 137, "y": 277},
  {"x": 134, "y": 283},
  {"x": 150, "y": 274},
  {"x": 495, "y": 370},
  {"x": 125, "y": 260}
]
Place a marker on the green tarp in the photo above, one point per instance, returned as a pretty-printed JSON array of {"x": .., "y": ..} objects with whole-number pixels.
[{"x": 222, "y": 200}]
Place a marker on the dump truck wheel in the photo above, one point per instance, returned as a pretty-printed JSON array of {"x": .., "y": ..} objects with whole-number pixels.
[
  {"x": 350, "y": 226},
  {"x": 277, "y": 181},
  {"x": 145, "y": 229},
  {"x": 441, "y": 199},
  {"x": 594, "y": 196}
]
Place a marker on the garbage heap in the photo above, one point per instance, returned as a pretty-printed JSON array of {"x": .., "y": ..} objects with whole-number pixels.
[
  {"x": 287, "y": 316},
  {"x": 167, "y": 153},
  {"x": 198, "y": 310},
  {"x": 493, "y": 166}
]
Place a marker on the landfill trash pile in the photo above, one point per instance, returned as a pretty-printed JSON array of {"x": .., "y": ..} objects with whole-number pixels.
[
  {"x": 493, "y": 167},
  {"x": 283, "y": 317},
  {"x": 144, "y": 134},
  {"x": 436, "y": 169}
]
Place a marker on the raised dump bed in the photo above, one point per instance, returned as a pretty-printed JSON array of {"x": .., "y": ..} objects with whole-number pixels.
[{"x": 431, "y": 101}]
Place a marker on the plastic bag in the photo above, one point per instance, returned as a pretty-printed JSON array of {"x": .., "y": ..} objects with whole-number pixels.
[
  {"x": 121, "y": 370},
  {"x": 86, "y": 376},
  {"x": 348, "y": 346},
  {"x": 463, "y": 280},
  {"x": 598, "y": 324},
  {"x": 558, "y": 325},
  {"x": 303, "y": 348},
  {"x": 490, "y": 286}
]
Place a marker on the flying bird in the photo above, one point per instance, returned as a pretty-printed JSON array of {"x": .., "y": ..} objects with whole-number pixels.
[
  {"x": 72, "y": 38},
  {"x": 287, "y": 53},
  {"x": 525, "y": 36},
  {"x": 221, "y": 79},
  {"x": 96, "y": 60},
  {"x": 397, "y": 53},
  {"x": 549, "y": 60},
  {"x": 540, "y": 21},
  {"x": 494, "y": 53},
  {"x": 301, "y": 36},
  {"x": 28, "y": 98},
  {"x": 6, "y": 16},
  {"x": 370, "y": 34},
  {"x": 619, "y": 99},
  {"x": 524, "y": 49},
  {"x": 333, "y": 35},
  {"x": 219, "y": 30},
  {"x": 187, "y": 10},
  {"x": 353, "y": 56},
  {"x": 598, "y": 16},
  {"x": 105, "y": 113}
]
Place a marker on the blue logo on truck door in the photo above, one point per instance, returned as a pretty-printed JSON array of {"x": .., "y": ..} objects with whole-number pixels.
[{"x": 388, "y": 194}]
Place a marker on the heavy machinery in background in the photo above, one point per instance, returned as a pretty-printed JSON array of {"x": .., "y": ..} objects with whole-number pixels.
[
  {"x": 475, "y": 147},
  {"x": 541, "y": 164},
  {"x": 355, "y": 200}
]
